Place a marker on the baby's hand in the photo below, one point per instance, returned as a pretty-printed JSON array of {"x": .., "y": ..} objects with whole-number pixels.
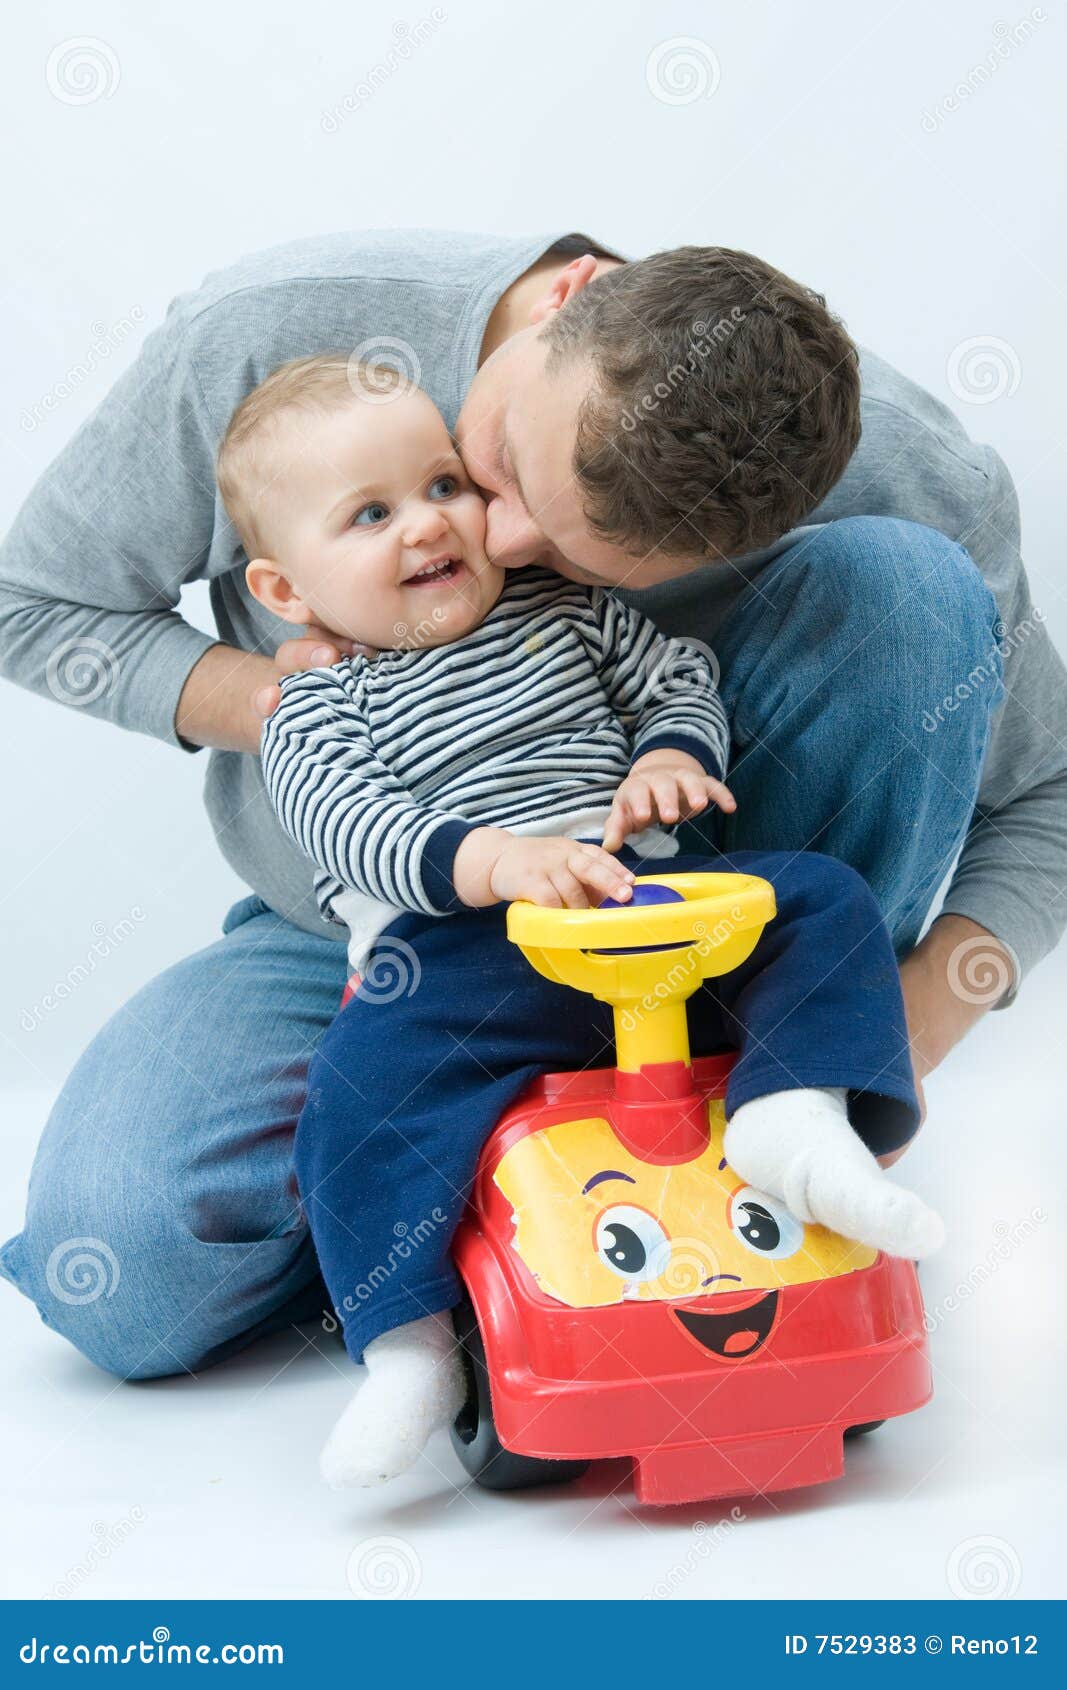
[
  {"x": 558, "y": 874},
  {"x": 664, "y": 786}
]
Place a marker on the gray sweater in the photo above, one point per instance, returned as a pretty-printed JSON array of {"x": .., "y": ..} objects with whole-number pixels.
[{"x": 128, "y": 513}]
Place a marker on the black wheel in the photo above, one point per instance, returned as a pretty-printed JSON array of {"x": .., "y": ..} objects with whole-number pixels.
[
  {"x": 861, "y": 1431},
  {"x": 474, "y": 1436}
]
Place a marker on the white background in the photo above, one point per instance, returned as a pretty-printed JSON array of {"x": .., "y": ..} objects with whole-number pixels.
[{"x": 825, "y": 144}]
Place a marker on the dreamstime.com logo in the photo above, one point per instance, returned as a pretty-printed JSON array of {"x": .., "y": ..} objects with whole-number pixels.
[
  {"x": 684, "y": 967},
  {"x": 1009, "y": 1238},
  {"x": 157, "y": 1650},
  {"x": 408, "y": 1240}
]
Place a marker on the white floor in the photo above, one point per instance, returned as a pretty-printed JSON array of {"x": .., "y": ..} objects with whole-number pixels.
[{"x": 207, "y": 1487}]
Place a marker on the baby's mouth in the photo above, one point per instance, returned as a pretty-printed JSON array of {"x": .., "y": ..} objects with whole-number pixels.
[{"x": 445, "y": 570}]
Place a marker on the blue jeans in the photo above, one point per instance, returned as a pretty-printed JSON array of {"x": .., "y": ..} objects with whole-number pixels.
[{"x": 163, "y": 1228}]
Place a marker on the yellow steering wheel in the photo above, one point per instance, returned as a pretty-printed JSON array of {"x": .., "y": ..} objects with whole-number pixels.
[{"x": 646, "y": 960}]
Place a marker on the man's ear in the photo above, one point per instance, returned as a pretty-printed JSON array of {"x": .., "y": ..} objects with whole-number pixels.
[
  {"x": 274, "y": 590},
  {"x": 563, "y": 286}
]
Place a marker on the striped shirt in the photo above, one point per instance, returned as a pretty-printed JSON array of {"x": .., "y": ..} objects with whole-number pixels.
[{"x": 380, "y": 767}]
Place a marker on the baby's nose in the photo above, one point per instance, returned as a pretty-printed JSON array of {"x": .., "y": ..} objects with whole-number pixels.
[{"x": 426, "y": 522}]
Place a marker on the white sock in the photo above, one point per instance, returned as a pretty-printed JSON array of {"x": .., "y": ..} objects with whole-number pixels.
[
  {"x": 414, "y": 1384},
  {"x": 798, "y": 1146}
]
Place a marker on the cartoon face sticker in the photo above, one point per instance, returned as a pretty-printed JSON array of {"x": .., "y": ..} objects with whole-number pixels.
[{"x": 595, "y": 1226}]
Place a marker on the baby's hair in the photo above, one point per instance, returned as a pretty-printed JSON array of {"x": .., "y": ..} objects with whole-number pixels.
[{"x": 316, "y": 386}]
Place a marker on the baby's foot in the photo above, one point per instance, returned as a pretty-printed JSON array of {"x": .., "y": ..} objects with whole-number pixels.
[
  {"x": 799, "y": 1146},
  {"x": 414, "y": 1384}
]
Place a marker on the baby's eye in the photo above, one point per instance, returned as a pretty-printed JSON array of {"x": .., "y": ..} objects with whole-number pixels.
[
  {"x": 444, "y": 487},
  {"x": 370, "y": 515}
]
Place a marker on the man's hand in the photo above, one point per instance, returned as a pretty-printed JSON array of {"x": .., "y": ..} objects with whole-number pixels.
[
  {"x": 317, "y": 648},
  {"x": 957, "y": 973},
  {"x": 229, "y": 693},
  {"x": 950, "y": 980},
  {"x": 665, "y": 786},
  {"x": 493, "y": 866}
]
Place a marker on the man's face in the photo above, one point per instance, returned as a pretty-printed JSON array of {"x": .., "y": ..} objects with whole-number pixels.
[{"x": 516, "y": 432}]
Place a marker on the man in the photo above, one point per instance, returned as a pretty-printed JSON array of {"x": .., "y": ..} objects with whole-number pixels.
[{"x": 653, "y": 425}]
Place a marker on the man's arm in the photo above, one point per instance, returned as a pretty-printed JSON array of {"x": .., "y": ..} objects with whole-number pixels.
[
  {"x": 1007, "y": 898},
  {"x": 228, "y": 693},
  {"x": 92, "y": 569}
]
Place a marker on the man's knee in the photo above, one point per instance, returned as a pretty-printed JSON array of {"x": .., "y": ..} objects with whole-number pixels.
[
  {"x": 138, "y": 1293},
  {"x": 97, "y": 1285},
  {"x": 876, "y": 569}
]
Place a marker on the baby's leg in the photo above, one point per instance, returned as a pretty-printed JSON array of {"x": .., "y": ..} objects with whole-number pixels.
[
  {"x": 403, "y": 1091},
  {"x": 414, "y": 1386},
  {"x": 818, "y": 1016},
  {"x": 801, "y": 1147}
]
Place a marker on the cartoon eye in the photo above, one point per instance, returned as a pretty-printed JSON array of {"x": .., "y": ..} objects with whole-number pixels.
[
  {"x": 764, "y": 1225},
  {"x": 631, "y": 1243}
]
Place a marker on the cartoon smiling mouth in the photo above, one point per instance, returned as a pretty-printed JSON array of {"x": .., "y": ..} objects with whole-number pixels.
[{"x": 735, "y": 1335}]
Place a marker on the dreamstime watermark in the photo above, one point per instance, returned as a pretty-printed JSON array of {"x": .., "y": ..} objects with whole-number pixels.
[
  {"x": 1008, "y": 36},
  {"x": 106, "y": 940},
  {"x": 984, "y": 1567},
  {"x": 685, "y": 966},
  {"x": 82, "y": 70},
  {"x": 979, "y": 972},
  {"x": 81, "y": 1270},
  {"x": 104, "y": 342},
  {"x": 1009, "y": 1239},
  {"x": 81, "y": 670},
  {"x": 988, "y": 670},
  {"x": 706, "y": 1540},
  {"x": 982, "y": 369},
  {"x": 681, "y": 70},
  {"x": 407, "y": 39},
  {"x": 382, "y": 369},
  {"x": 106, "y": 1540},
  {"x": 705, "y": 338},
  {"x": 410, "y": 638},
  {"x": 383, "y": 1567},
  {"x": 682, "y": 668},
  {"x": 408, "y": 1241},
  {"x": 392, "y": 971}
]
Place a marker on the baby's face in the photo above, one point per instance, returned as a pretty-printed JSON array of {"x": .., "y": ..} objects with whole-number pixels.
[{"x": 377, "y": 527}]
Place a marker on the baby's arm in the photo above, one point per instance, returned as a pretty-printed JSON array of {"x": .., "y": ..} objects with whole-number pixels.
[
  {"x": 663, "y": 689},
  {"x": 353, "y": 818},
  {"x": 665, "y": 692}
]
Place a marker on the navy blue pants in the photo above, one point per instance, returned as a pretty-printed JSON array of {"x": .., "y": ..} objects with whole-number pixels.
[{"x": 451, "y": 1023}]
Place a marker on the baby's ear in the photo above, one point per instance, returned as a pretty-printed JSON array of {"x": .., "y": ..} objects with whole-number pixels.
[{"x": 274, "y": 590}]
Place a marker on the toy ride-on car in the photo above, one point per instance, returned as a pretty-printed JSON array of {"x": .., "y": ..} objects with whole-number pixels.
[{"x": 626, "y": 1293}]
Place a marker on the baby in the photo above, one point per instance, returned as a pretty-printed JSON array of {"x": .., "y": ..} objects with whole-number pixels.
[{"x": 509, "y": 735}]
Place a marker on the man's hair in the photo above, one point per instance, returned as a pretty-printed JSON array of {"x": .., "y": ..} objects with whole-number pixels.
[
  {"x": 725, "y": 401},
  {"x": 245, "y": 465}
]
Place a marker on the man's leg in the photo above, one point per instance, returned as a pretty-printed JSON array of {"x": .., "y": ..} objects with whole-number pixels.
[
  {"x": 163, "y": 1229},
  {"x": 835, "y": 668}
]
